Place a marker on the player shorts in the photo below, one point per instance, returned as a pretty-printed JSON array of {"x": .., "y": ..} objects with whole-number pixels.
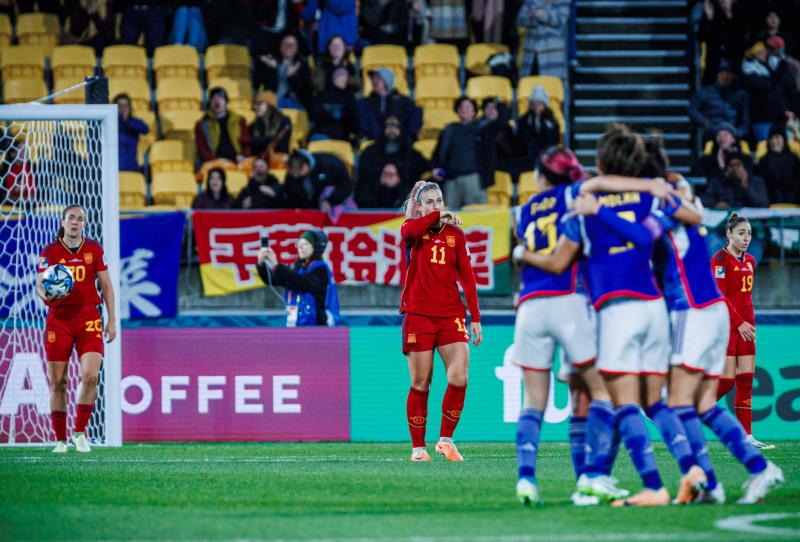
[
  {"x": 699, "y": 338},
  {"x": 80, "y": 326},
  {"x": 422, "y": 333},
  {"x": 633, "y": 337},
  {"x": 738, "y": 346},
  {"x": 544, "y": 321}
]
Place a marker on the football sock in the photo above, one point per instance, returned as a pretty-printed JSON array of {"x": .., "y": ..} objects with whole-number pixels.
[
  {"x": 743, "y": 401},
  {"x": 59, "y": 419},
  {"x": 634, "y": 435},
  {"x": 417, "y": 412},
  {"x": 671, "y": 429},
  {"x": 725, "y": 385},
  {"x": 82, "y": 417},
  {"x": 452, "y": 404},
  {"x": 599, "y": 434},
  {"x": 730, "y": 432},
  {"x": 614, "y": 450},
  {"x": 528, "y": 425},
  {"x": 694, "y": 432},
  {"x": 577, "y": 444}
]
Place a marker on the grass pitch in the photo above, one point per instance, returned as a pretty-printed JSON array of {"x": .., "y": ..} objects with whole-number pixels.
[{"x": 359, "y": 492}]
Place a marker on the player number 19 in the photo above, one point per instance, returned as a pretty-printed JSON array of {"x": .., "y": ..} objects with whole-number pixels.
[{"x": 747, "y": 283}]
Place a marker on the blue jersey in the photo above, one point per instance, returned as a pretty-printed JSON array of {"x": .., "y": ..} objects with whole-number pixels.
[{"x": 539, "y": 226}]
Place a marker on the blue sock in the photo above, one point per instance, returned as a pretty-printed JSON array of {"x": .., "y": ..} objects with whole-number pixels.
[
  {"x": 528, "y": 441},
  {"x": 694, "y": 432},
  {"x": 673, "y": 433},
  {"x": 614, "y": 450},
  {"x": 577, "y": 444},
  {"x": 634, "y": 435},
  {"x": 599, "y": 434},
  {"x": 730, "y": 432}
]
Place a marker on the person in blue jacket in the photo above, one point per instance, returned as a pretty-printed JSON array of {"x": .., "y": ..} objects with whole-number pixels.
[{"x": 130, "y": 128}]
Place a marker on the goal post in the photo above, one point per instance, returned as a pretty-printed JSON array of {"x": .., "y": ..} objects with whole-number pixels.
[{"x": 52, "y": 156}]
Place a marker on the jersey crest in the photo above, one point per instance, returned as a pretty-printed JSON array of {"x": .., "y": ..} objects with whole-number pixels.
[
  {"x": 451, "y": 240},
  {"x": 88, "y": 257},
  {"x": 719, "y": 271}
]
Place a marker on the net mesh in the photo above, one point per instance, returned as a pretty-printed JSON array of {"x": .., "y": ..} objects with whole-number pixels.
[{"x": 45, "y": 166}]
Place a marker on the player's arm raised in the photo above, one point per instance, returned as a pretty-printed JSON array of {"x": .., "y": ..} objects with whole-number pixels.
[
  {"x": 558, "y": 261},
  {"x": 108, "y": 299}
]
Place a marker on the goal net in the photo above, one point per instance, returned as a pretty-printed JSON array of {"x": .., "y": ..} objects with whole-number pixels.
[{"x": 52, "y": 156}]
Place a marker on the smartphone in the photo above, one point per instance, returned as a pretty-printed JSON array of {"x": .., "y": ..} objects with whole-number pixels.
[{"x": 265, "y": 241}]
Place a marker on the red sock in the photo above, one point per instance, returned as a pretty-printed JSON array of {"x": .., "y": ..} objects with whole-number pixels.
[
  {"x": 59, "y": 419},
  {"x": 452, "y": 404},
  {"x": 82, "y": 417},
  {"x": 743, "y": 401},
  {"x": 725, "y": 385},
  {"x": 417, "y": 412}
]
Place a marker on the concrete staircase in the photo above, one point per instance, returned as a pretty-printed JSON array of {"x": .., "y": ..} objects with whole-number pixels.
[{"x": 633, "y": 69}]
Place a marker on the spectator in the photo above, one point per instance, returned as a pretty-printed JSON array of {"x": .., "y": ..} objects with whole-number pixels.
[
  {"x": 188, "y": 26},
  {"x": 379, "y": 187},
  {"x": 724, "y": 101},
  {"x": 712, "y": 165},
  {"x": 129, "y": 129},
  {"x": 773, "y": 96},
  {"x": 289, "y": 77},
  {"x": 419, "y": 14},
  {"x": 311, "y": 298},
  {"x": 331, "y": 18},
  {"x": 335, "y": 57},
  {"x": 495, "y": 118},
  {"x": 221, "y": 133},
  {"x": 334, "y": 111},
  {"x": 146, "y": 17},
  {"x": 488, "y": 20},
  {"x": 384, "y": 101},
  {"x": 90, "y": 23},
  {"x": 215, "y": 196},
  {"x": 449, "y": 22},
  {"x": 737, "y": 187},
  {"x": 773, "y": 30},
  {"x": 456, "y": 158},
  {"x": 545, "y": 45},
  {"x": 233, "y": 21},
  {"x": 780, "y": 169},
  {"x": 384, "y": 21},
  {"x": 537, "y": 130},
  {"x": 723, "y": 28},
  {"x": 775, "y": 48},
  {"x": 316, "y": 181},
  {"x": 273, "y": 19},
  {"x": 271, "y": 130},
  {"x": 263, "y": 191}
]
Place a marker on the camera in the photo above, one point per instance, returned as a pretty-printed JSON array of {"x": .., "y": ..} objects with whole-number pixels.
[{"x": 265, "y": 241}]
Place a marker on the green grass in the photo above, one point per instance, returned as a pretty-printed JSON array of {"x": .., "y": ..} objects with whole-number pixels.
[{"x": 348, "y": 491}]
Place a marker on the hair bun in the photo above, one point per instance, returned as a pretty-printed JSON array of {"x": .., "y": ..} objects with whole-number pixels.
[{"x": 574, "y": 173}]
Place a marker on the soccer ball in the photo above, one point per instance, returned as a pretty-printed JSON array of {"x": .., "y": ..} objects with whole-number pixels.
[{"x": 57, "y": 280}]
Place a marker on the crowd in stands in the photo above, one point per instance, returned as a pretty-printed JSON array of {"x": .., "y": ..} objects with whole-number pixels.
[{"x": 747, "y": 109}]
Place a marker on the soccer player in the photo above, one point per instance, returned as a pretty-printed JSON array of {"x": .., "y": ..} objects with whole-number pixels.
[
  {"x": 434, "y": 315},
  {"x": 551, "y": 311},
  {"x": 734, "y": 270},
  {"x": 74, "y": 320}
]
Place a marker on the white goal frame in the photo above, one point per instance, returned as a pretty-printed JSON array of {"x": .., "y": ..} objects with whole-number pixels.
[{"x": 107, "y": 116}]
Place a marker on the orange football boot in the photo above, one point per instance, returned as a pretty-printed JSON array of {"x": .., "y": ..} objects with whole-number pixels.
[{"x": 448, "y": 450}]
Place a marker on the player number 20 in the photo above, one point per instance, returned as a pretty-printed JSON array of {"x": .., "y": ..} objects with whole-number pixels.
[
  {"x": 747, "y": 283},
  {"x": 547, "y": 227},
  {"x": 437, "y": 251},
  {"x": 94, "y": 325}
]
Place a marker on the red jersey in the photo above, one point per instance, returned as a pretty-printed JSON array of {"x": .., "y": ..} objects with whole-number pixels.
[
  {"x": 84, "y": 262},
  {"x": 437, "y": 259},
  {"x": 735, "y": 281}
]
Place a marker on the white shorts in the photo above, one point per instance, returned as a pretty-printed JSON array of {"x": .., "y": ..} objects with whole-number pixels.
[
  {"x": 700, "y": 338},
  {"x": 544, "y": 321},
  {"x": 633, "y": 337}
]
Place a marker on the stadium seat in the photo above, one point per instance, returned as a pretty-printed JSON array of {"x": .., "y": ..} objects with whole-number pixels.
[
  {"x": 486, "y": 86},
  {"x": 169, "y": 155},
  {"x": 527, "y": 186},
  {"x": 240, "y": 94},
  {"x": 227, "y": 61},
  {"x": 176, "y": 62},
  {"x": 137, "y": 89},
  {"x": 552, "y": 85},
  {"x": 17, "y": 91},
  {"x": 436, "y": 60},
  {"x": 179, "y": 124},
  {"x": 77, "y": 96},
  {"x": 439, "y": 92},
  {"x": 23, "y": 62},
  {"x": 72, "y": 62},
  {"x": 222, "y": 163},
  {"x": 744, "y": 146},
  {"x": 178, "y": 95},
  {"x": 125, "y": 62},
  {"x": 38, "y": 29},
  {"x": 500, "y": 192},
  {"x": 177, "y": 188},
  {"x": 384, "y": 56},
  {"x": 434, "y": 120},
  {"x": 339, "y": 148},
  {"x": 279, "y": 174},
  {"x": 145, "y": 140},
  {"x": 132, "y": 190},
  {"x": 5, "y": 30},
  {"x": 236, "y": 181},
  {"x": 365, "y": 145},
  {"x": 300, "y": 129},
  {"x": 425, "y": 147},
  {"x": 784, "y": 206},
  {"x": 478, "y": 54},
  {"x": 401, "y": 84}
]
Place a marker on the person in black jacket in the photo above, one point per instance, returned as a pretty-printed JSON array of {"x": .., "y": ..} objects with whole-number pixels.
[
  {"x": 216, "y": 195},
  {"x": 316, "y": 181},
  {"x": 334, "y": 110},
  {"x": 737, "y": 188},
  {"x": 495, "y": 118},
  {"x": 535, "y": 131},
  {"x": 288, "y": 77},
  {"x": 780, "y": 169},
  {"x": 263, "y": 191},
  {"x": 268, "y": 125},
  {"x": 384, "y": 21},
  {"x": 384, "y": 101},
  {"x": 773, "y": 94},
  {"x": 456, "y": 158}
]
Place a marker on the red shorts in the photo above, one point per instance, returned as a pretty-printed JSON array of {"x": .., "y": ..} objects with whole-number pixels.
[
  {"x": 81, "y": 326},
  {"x": 422, "y": 333},
  {"x": 739, "y": 347}
]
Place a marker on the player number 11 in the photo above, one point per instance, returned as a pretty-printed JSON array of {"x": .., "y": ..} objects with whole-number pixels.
[{"x": 440, "y": 261}]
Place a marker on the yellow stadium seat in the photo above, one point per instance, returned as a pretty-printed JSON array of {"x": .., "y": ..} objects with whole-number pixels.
[
  {"x": 179, "y": 124},
  {"x": 23, "y": 62},
  {"x": 300, "y": 128},
  {"x": 500, "y": 192},
  {"x": 240, "y": 93},
  {"x": 137, "y": 89},
  {"x": 77, "y": 96},
  {"x": 17, "y": 91},
  {"x": 279, "y": 174},
  {"x": 125, "y": 62},
  {"x": 132, "y": 190},
  {"x": 437, "y": 92},
  {"x": 784, "y": 206},
  {"x": 425, "y": 147},
  {"x": 744, "y": 146},
  {"x": 552, "y": 85},
  {"x": 559, "y": 116},
  {"x": 339, "y": 148},
  {"x": 227, "y": 61},
  {"x": 384, "y": 56},
  {"x": 5, "y": 30},
  {"x": 527, "y": 186},
  {"x": 169, "y": 155},
  {"x": 438, "y": 60},
  {"x": 145, "y": 140},
  {"x": 434, "y": 120},
  {"x": 236, "y": 181},
  {"x": 176, "y": 188},
  {"x": 401, "y": 84},
  {"x": 176, "y": 62},
  {"x": 478, "y": 54},
  {"x": 763, "y": 146},
  {"x": 486, "y": 86},
  {"x": 178, "y": 94},
  {"x": 72, "y": 62},
  {"x": 38, "y": 29},
  {"x": 365, "y": 145}
]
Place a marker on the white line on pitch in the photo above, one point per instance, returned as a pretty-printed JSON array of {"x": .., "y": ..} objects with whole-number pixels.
[{"x": 745, "y": 524}]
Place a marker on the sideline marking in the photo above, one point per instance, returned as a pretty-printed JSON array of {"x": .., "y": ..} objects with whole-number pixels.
[{"x": 745, "y": 523}]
